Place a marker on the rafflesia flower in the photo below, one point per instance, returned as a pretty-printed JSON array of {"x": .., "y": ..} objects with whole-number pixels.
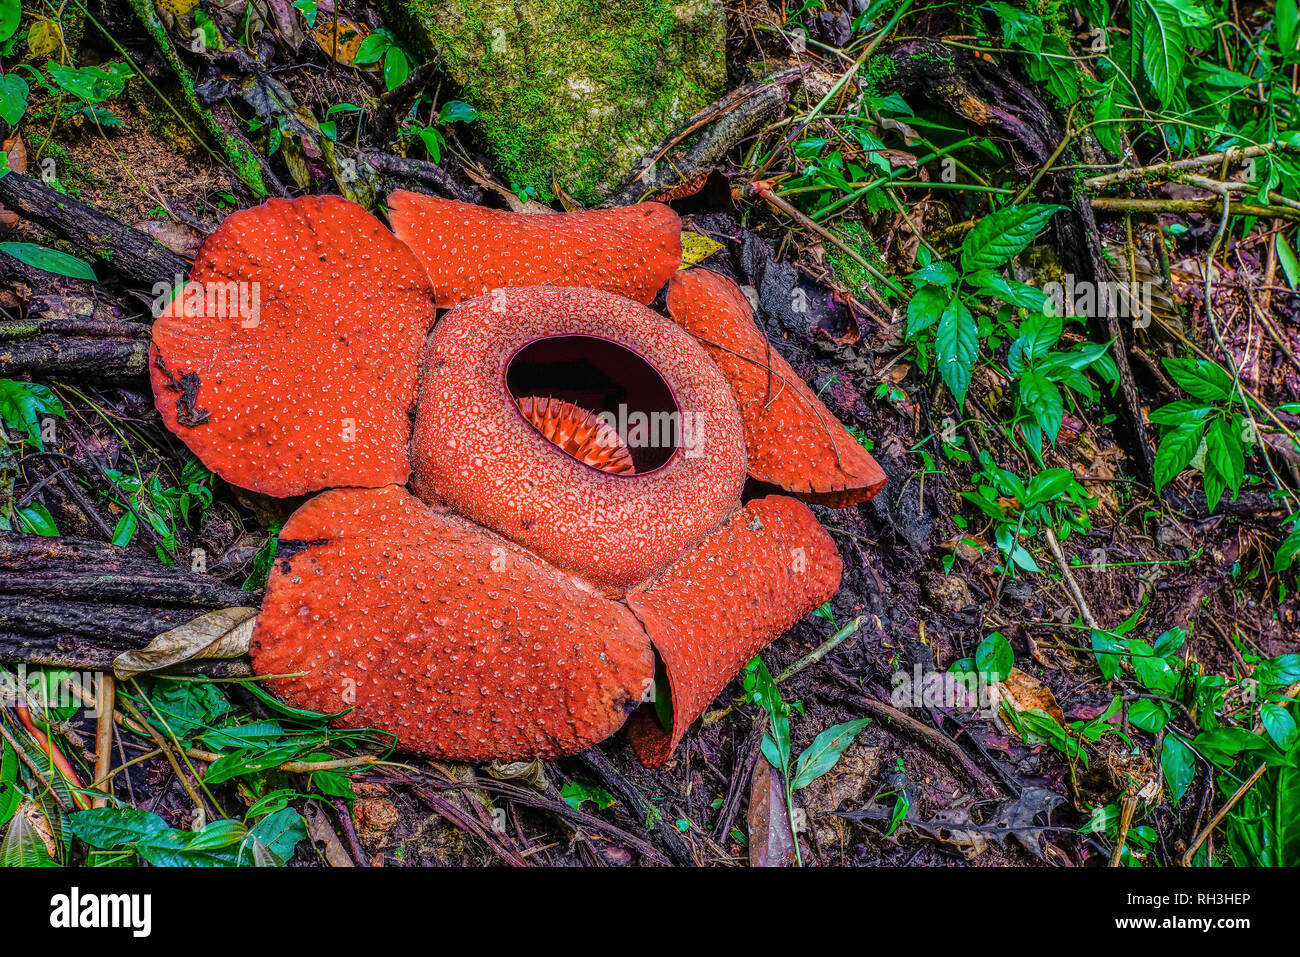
[{"x": 530, "y": 523}]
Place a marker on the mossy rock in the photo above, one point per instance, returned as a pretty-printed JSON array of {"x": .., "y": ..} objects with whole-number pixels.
[{"x": 574, "y": 89}]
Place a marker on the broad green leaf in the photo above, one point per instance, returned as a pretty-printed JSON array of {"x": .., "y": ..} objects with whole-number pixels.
[
  {"x": 281, "y": 832},
  {"x": 1279, "y": 724},
  {"x": 1287, "y": 257},
  {"x": 23, "y": 403},
  {"x": 994, "y": 657},
  {"x": 22, "y": 845},
  {"x": 1287, "y": 551},
  {"x": 1285, "y": 20},
  {"x": 1177, "y": 766},
  {"x": 1176, "y": 451},
  {"x": 1109, "y": 652},
  {"x": 50, "y": 260},
  {"x": 957, "y": 344},
  {"x": 1001, "y": 235},
  {"x": 457, "y": 111},
  {"x": 925, "y": 308},
  {"x": 113, "y": 827},
  {"x": 1182, "y": 412},
  {"x": 1159, "y": 29},
  {"x": 373, "y": 48},
  {"x": 1149, "y": 715},
  {"x": 13, "y": 98},
  {"x": 1224, "y": 455},
  {"x": 1043, "y": 399},
  {"x": 1201, "y": 379},
  {"x": 11, "y": 12},
  {"x": 825, "y": 751}
]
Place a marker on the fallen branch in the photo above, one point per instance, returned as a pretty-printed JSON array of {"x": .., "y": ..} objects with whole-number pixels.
[{"x": 132, "y": 253}]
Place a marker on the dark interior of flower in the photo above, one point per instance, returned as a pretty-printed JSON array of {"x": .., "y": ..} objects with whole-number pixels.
[{"x": 631, "y": 408}]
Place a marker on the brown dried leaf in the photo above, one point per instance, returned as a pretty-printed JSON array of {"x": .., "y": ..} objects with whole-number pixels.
[
  {"x": 1024, "y": 692},
  {"x": 770, "y": 842},
  {"x": 222, "y": 633}
]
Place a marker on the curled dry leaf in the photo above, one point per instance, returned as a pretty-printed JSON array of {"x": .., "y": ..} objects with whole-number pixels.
[
  {"x": 223, "y": 633},
  {"x": 771, "y": 843}
]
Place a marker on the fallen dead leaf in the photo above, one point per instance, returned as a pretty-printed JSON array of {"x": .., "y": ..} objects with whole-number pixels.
[
  {"x": 223, "y": 633},
  {"x": 1024, "y": 692},
  {"x": 770, "y": 842}
]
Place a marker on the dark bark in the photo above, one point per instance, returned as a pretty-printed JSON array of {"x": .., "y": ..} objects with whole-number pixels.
[
  {"x": 132, "y": 253},
  {"x": 48, "y": 355},
  {"x": 80, "y": 604}
]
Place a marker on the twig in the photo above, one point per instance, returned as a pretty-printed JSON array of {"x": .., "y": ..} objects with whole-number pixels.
[
  {"x": 822, "y": 650},
  {"x": 104, "y": 735},
  {"x": 1161, "y": 169},
  {"x": 1075, "y": 592}
]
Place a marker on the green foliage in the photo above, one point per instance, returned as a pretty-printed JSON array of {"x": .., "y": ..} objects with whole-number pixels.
[
  {"x": 945, "y": 299},
  {"x": 1018, "y": 509},
  {"x": 1207, "y": 432},
  {"x": 49, "y": 260},
  {"x": 163, "y": 508}
]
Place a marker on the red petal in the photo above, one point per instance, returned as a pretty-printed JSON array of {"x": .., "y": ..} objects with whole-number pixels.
[
  {"x": 724, "y": 602},
  {"x": 295, "y": 367},
  {"x": 463, "y": 645},
  {"x": 469, "y": 250},
  {"x": 793, "y": 440}
]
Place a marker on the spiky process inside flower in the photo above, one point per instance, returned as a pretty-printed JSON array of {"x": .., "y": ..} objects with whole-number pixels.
[{"x": 578, "y": 432}]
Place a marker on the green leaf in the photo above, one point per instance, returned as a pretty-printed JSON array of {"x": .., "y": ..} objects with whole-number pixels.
[
  {"x": 1149, "y": 714},
  {"x": 1177, "y": 766},
  {"x": 1038, "y": 333},
  {"x": 1287, "y": 257},
  {"x": 373, "y": 48},
  {"x": 1109, "y": 652},
  {"x": 1201, "y": 379},
  {"x": 1043, "y": 399},
  {"x": 1182, "y": 412},
  {"x": 1284, "y": 19},
  {"x": 994, "y": 657},
  {"x": 11, "y": 11},
  {"x": 1287, "y": 551},
  {"x": 1224, "y": 455},
  {"x": 281, "y": 832},
  {"x": 938, "y": 273},
  {"x": 1177, "y": 449},
  {"x": 1159, "y": 28},
  {"x": 575, "y": 792},
  {"x": 457, "y": 111},
  {"x": 825, "y": 751},
  {"x": 1001, "y": 235},
  {"x": 50, "y": 260},
  {"x": 1279, "y": 724},
  {"x": 112, "y": 827},
  {"x": 925, "y": 308},
  {"x": 23, "y": 403},
  {"x": 13, "y": 98},
  {"x": 36, "y": 519},
  {"x": 90, "y": 84},
  {"x": 22, "y": 845},
  {"x": 957, "y": 344},
  {"x": 397, "y": 67}
]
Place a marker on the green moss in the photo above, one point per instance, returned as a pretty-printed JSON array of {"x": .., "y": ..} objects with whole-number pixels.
[
  {"x": 848, "y": 270},
  {"x": 573, "y": 89}
]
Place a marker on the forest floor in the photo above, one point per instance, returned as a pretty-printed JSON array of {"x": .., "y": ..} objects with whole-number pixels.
[{"x": 1070, "y": 763}]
